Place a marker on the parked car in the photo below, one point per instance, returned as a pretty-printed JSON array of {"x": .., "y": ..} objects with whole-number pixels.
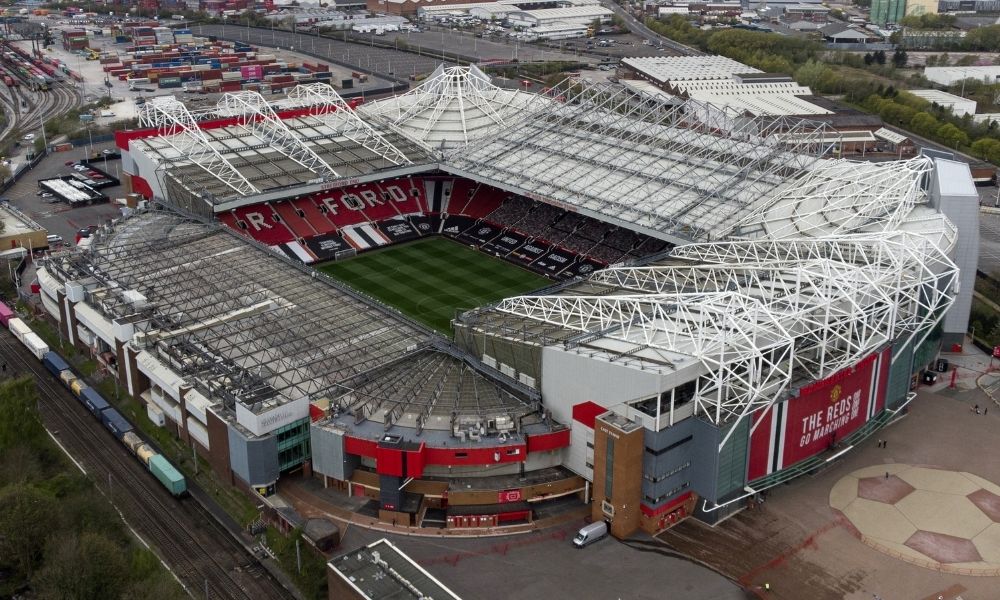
[
  {"x": 28, "y": 137},
  {"x": 47, "y": 194},
  {"x": 589, "y": 534}
]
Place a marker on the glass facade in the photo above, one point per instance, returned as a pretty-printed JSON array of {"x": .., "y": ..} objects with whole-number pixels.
[{"x": 293, "y": 444}]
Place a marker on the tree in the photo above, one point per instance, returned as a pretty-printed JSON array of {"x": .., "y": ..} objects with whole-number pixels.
[
  {"x": 924, "y": 124},
  {"x": 986, "y": 149},
  {"x": 84, "y": 567},
  {"x": 899, "y": 58},
  {"x": 869, "y": 59},
  {"x": 19, "y": 422},
  {"x": 880, "y": 57},
  {"x": 813, "y": 74},
  {"x": 952, "y": 136},
  {"x": 25, "y": 514}
]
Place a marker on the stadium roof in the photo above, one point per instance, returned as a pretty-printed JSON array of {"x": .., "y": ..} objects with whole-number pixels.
[
  {"x": 257, "y": 150},
  {"x": 761, "y": 317},
  {"x": 243, "y": 325},
  {"x": 841, "y": 196},
  {"x": 454, "y": 106},
  {"x": 679, "y": 172}
]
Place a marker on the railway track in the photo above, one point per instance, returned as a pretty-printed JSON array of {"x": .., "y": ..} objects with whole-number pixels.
[{"x": 204, "y": 556}]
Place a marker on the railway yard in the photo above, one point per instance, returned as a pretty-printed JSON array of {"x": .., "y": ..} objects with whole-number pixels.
[{"x": 204, "y": 557}]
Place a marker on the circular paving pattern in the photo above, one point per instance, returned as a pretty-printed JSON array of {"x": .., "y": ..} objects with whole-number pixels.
[{"x": 939, "y": 519}]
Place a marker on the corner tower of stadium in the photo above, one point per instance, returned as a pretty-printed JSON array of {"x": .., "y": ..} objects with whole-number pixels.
[{"x": 730, "y": 307}]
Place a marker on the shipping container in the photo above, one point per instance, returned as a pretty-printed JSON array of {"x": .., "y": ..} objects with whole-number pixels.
[
  {"x": 78, "y": 386},
  {"x": 37, "y": 346},
  {"x": 144, "y": 453},
  {"x": 115, "y": 422},
  {"x": 19, "y": 328},
  {"x": 167, "y": 475},
  {"x": 94, "y": 402},
  {"x": 6, "y": 314}
]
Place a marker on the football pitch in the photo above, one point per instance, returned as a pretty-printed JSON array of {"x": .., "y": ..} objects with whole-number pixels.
[{"x": 431, "y": 279}]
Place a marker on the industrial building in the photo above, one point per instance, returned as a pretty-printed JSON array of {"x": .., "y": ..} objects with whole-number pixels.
[
  {"x": 731, "y": 87},
  {"x": 988, "y": 74},
  {"x": 959, "y": 106},
  {"x": 770, "y": 307}
]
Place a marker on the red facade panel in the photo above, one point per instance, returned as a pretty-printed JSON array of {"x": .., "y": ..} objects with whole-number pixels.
[
  {"x": 823, "y": 413},
  {"x": 548, "y": 441},
  {"x": 389, "y": 461},
  {"x": 476, "y": 456},
  {"x": 587, "y": 412},
  {"x": 415, "y": 462},
  {"x": 360, "y": 446}
]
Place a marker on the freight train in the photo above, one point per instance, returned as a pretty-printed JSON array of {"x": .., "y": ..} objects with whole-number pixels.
[{"x": 164, "y": 472}]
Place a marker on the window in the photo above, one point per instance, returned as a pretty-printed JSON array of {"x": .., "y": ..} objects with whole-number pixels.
[
  {"x": 513, "y": 451},
  {"x": 670, "y": 473},
  {"x": 589, "y": 466},
  {"x": 590, "y": 445},
  {"x": 461, "y": 455},
  {"x": 300, "y": 212}
]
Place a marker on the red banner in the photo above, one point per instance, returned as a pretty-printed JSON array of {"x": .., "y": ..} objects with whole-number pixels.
[{"x": 823, "y": 414}]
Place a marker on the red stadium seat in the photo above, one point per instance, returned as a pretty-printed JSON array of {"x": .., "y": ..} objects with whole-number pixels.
[
  {"x": 258, "y": 221},
  {"x": 291, "y": 218}
]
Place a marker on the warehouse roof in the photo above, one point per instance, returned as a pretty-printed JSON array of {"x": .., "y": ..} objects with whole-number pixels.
[{"x": 684, "y": 68}]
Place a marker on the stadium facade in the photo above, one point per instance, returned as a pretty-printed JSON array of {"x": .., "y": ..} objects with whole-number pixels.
[{"x": 730, "y": 308}]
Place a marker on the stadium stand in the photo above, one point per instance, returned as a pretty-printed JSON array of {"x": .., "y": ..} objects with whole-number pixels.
[{"x": 541, "y": 237}]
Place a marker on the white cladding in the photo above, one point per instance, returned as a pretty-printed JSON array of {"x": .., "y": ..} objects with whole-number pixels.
[
  {"x": 160, "y": 374},
  {"x": 267, "y": 421},
  {"x": 95, "y": 322}
]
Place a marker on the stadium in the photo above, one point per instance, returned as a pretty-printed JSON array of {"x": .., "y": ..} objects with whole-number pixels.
[{"x": 466, "y": 302}]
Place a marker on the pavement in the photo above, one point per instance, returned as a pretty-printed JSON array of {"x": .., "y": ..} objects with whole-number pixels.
[
  {"x": 58, "y": 218},
  {"x": 806, "y": 548}
]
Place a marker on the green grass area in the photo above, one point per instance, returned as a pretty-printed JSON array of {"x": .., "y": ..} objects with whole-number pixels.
[{"x": 433, "y": 278}]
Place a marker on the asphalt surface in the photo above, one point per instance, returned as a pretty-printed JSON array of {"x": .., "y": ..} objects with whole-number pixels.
[
  {"x": 58, "y": 218},
  {"x": 640, "y": 29},
  {"x": 547, "y": 565}
]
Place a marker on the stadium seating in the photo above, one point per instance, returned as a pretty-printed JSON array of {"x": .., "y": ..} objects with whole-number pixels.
[
  {"x": 311, "y": 213},
  {"x": 539, "y": 236},
  {"x": 290, "y": 217},
  {"x": 259, "y": 222}
]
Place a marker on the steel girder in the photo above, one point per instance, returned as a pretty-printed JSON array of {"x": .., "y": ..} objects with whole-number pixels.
[
  {"x": 181, "y": 132},
  {"x": 256, "y": 116},
  {"x": 326, "y": 105}
]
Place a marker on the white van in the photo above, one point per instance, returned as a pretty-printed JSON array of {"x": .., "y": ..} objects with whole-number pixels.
[{"x": 590, "y": 534}]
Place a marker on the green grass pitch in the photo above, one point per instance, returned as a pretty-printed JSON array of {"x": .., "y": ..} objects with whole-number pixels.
[{"x": 432, "y": 278}]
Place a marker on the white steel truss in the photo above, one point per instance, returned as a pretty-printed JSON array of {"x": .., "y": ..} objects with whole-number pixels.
[
  {"x": 454, "y": 106},
  {"x": 762, "y": 315},
  {"x": 612, "y": 151},
  {"x": 181, "y": 132},
  {"x": 746, "y": 350},
  {"x": 326, "y": 106},
  {"x": 841, "y": 196},
  {"x": 256, "y": 116}
]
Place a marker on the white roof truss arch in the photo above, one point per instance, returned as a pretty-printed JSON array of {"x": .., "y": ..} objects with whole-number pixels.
[
  {"x": 181, "y": 132},
  {"x": 256, "y": 116}
]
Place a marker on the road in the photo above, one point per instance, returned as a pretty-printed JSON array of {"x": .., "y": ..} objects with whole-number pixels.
[{"x": 640, "y": 29}]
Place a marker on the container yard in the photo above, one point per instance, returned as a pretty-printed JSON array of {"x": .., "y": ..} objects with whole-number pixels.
[{"x": 176, "y": 59}]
